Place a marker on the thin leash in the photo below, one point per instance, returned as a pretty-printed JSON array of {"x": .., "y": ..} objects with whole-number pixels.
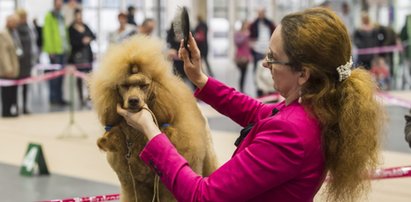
[{"x": 156, "y": 188}]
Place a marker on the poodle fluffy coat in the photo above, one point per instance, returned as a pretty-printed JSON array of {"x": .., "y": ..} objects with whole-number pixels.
[{"x": 132, "y": 74}]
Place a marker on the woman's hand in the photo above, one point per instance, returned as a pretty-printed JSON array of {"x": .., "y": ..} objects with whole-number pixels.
[
  {"x": 192, "y": 67},
  {"x": 142, "y": 121}
]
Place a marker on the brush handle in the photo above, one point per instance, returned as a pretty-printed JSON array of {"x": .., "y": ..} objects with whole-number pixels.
[{"x": 188, "y": 50}]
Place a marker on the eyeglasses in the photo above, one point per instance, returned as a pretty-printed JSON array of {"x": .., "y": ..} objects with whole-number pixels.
[{"x": 270, "y": 59}]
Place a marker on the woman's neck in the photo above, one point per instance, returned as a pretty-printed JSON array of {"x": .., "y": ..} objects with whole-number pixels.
[{"x": 291, "y": 98}]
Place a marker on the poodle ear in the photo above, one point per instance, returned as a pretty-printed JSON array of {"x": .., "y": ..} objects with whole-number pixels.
[
  {"x": 110, "y": 115},
  {"x": 161, "y": 105}
]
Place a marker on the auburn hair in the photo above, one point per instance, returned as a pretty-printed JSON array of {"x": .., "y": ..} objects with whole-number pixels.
[{"x": 350, "y": 116}]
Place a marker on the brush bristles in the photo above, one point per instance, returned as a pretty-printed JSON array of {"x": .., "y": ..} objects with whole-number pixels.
[{"x": 181, "y": 24}]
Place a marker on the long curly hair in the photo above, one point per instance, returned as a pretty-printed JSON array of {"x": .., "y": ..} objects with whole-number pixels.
[{"x": 350, "y": 116}]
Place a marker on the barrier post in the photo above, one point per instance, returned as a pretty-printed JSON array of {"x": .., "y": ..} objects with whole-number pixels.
[{"x": 68, "y": 131}]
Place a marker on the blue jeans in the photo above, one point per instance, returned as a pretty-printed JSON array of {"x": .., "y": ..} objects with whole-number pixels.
[{"x": 56, "y": 85}]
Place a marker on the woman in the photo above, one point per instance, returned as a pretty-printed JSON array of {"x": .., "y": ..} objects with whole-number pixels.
[
  {"x": 329, "y": 122},
  {"x": 81, "y": 53},
  {"x": 243, "y": 53},
  {"x": 123, "y": 32}
]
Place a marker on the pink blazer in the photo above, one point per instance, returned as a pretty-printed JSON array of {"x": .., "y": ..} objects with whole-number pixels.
[{"x": 281, "y": 159}]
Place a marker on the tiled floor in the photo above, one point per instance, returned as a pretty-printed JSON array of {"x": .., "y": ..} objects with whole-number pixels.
[{"x": 79, "y": 169}]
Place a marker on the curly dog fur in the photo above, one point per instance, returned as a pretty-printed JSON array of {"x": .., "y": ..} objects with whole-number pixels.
[{"x": 132, "y": 74}]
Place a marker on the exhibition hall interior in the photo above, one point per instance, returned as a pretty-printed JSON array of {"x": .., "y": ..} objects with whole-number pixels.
[{"x": 67, "y": 66}]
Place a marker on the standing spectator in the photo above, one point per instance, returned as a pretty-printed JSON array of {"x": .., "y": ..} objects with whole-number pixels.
[
  {"x": 386, "y": 36},
  {"x": 347, "y": 17},
  {"x": 130, "y": 15},
  {"x": 406, "y": 38},
  {"x": 147, "y": 27},
  {"x": 381, "y": 73},
  {"x": 81, "y": 53},
  {"x": 39, "y": 36},
  {"x": 55, "y": 43},
  {"x": 10, "y": 50},
  {"x": 30, "y": 53},
  {"x": 68, "y": 11},
  {"x": 124, "y": 31},
  {"x": 201, "y": 37},
  {"x": 263, "y": 81},
  {"x": 260, "y": 33},
  {"x": 243, "y": 53},
  {"x": 365, "y": 37}
]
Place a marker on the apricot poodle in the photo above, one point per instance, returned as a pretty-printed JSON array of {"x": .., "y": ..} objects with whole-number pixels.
[{"x": 133, "y": 74}]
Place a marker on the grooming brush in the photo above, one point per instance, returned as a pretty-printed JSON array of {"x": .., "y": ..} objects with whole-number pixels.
[{"x": 181, "y": 26}]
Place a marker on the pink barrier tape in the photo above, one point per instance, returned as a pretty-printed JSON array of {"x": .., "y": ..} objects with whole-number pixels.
[
  {"x": 43, "y": 77},
  {"x": 58, "y": 66},
  {"x": 46, "y": 76},
  {"x": 108, "y": 197},
  {"x": 376, "y": 50},
  {"x": 379, "y": 174},
  {"x": 389, "y": 173},
  {"x": 389, "y": 99},
  {"x": 81, "y": 75}
]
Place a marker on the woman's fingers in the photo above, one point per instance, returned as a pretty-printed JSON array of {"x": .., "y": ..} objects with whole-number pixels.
[
  {"x": 184, "y": 54},
  {"x": 122, "y": 112},
  {"x": 192, "y": 45}
]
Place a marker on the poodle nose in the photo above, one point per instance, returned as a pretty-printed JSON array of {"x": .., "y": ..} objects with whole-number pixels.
[{"x": 133, "y": 102}]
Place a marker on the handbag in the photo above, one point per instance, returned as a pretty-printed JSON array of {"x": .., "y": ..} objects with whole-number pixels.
[{"x": 82, "y": 56}]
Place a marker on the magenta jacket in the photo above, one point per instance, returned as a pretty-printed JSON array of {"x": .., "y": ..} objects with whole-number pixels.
[{"x": 281, "y": 159}]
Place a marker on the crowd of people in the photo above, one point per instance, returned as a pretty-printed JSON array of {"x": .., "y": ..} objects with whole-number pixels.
[{"x": 65, "y": 38}]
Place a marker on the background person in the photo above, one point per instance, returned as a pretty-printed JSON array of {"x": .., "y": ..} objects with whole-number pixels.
[
  {"x": 330, "y": 122},
  {"x": 10, "y": 50},
  {"x": 243, "y": 53},
  {"x": 56, "y": 45},
  {"x": 147, "y": 27},
  {"x": 28, "y": 39},
  {"x": 80, "y": 38},
  {"x": 201, "y": 37},
  {"x": 124, "y": 31}
]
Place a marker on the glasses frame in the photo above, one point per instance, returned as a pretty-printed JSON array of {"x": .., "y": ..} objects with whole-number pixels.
[{"x": 270, "y": 59}]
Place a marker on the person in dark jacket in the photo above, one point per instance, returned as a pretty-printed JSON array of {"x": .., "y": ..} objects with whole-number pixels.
[
  {"x": 260, "y": 32},
  {"x": 407, "y": 128},
  {"x": 201, "y": 37},
  {"x": 130, "y": 15},
  {"x": 81, "y": 53},
  {"x": 365, "y": 37},
  {"x": 30, "y": 52}
]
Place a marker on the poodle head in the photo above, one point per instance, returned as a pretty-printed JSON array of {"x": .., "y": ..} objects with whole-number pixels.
[
  {"x": 136, "y": 90},
  {"x": 128, "y": 75}
]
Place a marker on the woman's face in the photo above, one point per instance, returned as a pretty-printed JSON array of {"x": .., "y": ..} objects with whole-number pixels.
[
  {"x": 286, "y": 81},
  {"x": 78, "y": 18}
]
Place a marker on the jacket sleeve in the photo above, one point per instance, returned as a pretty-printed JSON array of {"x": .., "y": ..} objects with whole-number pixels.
[
  {"x": 273, "y": 158},
  {"x": 239, "y": 107},
  {"x": 47, "y": 34}
]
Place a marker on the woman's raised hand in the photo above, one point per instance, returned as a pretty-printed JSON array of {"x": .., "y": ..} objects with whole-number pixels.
[{"x": 192, "y": 67}]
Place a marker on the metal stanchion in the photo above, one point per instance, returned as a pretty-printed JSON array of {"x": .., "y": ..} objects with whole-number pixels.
[{"x": 69, "y": 130}]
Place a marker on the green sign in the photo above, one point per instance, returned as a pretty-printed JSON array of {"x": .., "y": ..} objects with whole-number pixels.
[{"x": 33, "y": 159}]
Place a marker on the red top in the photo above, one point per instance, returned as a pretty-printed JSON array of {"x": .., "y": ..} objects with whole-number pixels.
[{"x": 281, "y": 159}]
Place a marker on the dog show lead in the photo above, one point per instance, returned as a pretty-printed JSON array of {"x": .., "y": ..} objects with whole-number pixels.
[{"x": 329, "y": 123}]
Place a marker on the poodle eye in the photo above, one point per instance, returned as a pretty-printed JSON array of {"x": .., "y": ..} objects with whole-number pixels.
[
  {"x": 125, "y": 85},
  {"x": 144, "y": 86}
]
